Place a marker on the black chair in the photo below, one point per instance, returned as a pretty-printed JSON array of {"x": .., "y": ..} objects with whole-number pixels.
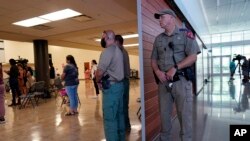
[
  {"x": 39, "y": 91},
  {"x": 25, "y": 99}
]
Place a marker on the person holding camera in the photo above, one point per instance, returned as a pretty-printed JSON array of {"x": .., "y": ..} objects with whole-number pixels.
[
  {"x": 174, "y": 51},
  {"x": 110, "y": 73}
]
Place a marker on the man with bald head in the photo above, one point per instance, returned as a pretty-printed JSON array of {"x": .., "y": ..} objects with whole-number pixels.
[{"x": 110, "y": 74}]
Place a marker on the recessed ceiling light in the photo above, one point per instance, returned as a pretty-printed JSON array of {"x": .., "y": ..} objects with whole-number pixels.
[
  {"x": 54, "y": 16},
  {"x": 31, "y": 22},
  {"x": 130, "y": 36},
  {"x": 124, "y": 37},
  {"x": 59, "y": 15}
]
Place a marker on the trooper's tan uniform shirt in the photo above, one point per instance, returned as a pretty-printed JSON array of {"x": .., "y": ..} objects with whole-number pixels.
[
  {"x": 183, "y": 47},
  {"x": 181, "y": 91}
]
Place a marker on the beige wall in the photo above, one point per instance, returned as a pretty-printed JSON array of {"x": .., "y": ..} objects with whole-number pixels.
[{"x": 14, "y": 49}]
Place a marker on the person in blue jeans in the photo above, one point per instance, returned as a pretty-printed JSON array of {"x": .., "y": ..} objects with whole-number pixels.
[
  {"x": 70, "y": 76},
  {"x": 111, "y": 71}
]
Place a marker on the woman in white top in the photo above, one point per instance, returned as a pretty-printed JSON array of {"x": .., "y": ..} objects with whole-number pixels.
[{"x": 93, "y": 71}]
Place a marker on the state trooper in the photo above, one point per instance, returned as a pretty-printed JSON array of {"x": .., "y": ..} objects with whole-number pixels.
[
  {"x": 174, "y": 51},
  {"x": 110, "y": 72}
]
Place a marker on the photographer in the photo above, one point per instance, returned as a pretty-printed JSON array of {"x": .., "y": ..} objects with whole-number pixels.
[{"x": 245, "y": 71}]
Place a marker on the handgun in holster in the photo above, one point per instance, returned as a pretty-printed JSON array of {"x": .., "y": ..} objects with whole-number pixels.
[{"x": 105, "y": 82}]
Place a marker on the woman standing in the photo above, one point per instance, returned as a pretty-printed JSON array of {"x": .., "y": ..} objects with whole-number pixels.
[
  {"x": 70, "y": 76},
  {"x": 93, "y": 70}
]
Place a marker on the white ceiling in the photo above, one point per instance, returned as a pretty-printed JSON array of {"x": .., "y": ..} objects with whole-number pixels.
[
  {"x": 226, "y": 15},
  {"x": 118, "y": 15}
]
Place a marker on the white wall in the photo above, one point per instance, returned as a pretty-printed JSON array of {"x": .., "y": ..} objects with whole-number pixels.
[
  {"x": 25, "y": 50},
  {"x": 14, "y": 49}
]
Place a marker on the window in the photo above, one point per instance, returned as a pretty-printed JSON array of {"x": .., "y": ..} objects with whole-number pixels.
[
  {"x": 226, "y": 50},
  {"x": 216, "y": 51},
  {"x": 216, "y": 38},
  {"x": 247, "y": 35},
  {"x": 226, "y": 37},
  {"x": 237, "y": 49},
  {"x": 237, "y": 36}
]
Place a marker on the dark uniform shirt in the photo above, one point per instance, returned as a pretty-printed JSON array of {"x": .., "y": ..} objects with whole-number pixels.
[{"x": 183, "y": 46}]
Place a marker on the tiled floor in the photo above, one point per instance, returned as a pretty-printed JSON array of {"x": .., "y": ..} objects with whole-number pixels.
[
  {"x": 220, "y": 104},
  {"x": 227, "y": 103},
  {"x": 48, "y": 123}
]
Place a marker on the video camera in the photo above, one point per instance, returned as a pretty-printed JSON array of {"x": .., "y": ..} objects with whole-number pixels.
[
  {"x": 239, "y": 57},
  {"x": 22, "y": 61}
]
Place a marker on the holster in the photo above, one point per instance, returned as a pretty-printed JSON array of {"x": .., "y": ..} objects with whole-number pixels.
[
  {"x": 105, "y": 82},
  {"x": 189, "y": 73}
]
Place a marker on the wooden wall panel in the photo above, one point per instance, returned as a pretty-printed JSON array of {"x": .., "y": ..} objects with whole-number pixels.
[{"x": 150, "y": 29}]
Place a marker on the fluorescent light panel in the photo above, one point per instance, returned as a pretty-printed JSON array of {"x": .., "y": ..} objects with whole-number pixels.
[
  {"x": 54, "y": 16},
  {"x": 131, "y": 45},
  {"x": 124, "y": 37},
  {"x": 31, "y": 22},
  {"x": 59, "y": 15},
  {"x": 130, "y": 36}
]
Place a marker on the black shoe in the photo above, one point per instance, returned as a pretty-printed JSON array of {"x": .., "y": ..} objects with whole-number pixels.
[
  {"x": 2, "y": 120},
  {"x": 69, "y": 114},
  {"x": 11, "y": 105}
]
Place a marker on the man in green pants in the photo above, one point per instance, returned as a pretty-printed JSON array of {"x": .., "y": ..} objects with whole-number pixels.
[
  {"x": 110, "y": 73},
  {"x": 119, "y": 42}
]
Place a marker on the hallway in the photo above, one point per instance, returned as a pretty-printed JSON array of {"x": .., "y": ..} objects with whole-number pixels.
[
  {"x": 47, "y": 122},
  {"x": 220, "y": 104},
  {"x": 227, "y": 103}
]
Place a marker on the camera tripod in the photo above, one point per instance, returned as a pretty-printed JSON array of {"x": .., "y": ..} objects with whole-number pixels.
[{"x": 238, "y": 65}]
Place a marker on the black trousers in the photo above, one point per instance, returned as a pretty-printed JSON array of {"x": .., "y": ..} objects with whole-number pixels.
[
  {"x": 15, "y": 91},
  {"x": 96, "y": 86}
]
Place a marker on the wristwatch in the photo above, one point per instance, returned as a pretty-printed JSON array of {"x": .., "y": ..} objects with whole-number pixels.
[{"x": 176, "y": 66}]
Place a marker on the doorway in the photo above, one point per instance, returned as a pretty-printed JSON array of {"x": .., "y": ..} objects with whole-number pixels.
[{"x": 220, "y": 65}]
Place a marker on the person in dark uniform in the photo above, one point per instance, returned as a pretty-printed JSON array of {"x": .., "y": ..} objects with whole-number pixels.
[
  {"x": 173, "y": 52},
  {"x": 119, "y": 42},
  {"x": 13, "y": 80}
]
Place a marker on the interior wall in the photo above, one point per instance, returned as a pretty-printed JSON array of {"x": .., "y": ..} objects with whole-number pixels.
[
  {"x": 150, "y": 29},
  {"x": 13, "y": 49}
]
